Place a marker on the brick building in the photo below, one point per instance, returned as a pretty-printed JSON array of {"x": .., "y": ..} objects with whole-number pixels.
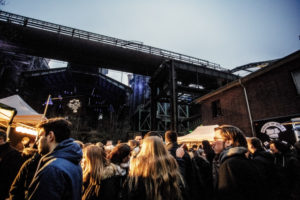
[{"x": 262, "y": 103}]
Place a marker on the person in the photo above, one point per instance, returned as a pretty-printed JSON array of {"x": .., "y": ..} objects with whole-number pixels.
[
  {"x": 264, "y": 160},
  {"x": 188, "y": 169},
  {"x": 154, "y": 173},
  {"x": 26, "y": 142},
  {"x": 289, "y": 166},
  {"x": 153, "y": 133},
  {"x": 10, "y": 163},
  {"x": 58, "y": 175},
  {"x": 208, "y": 151},
  {"x": 120, "y": 156},
  {"x": 134, "y": 147},
  {"x": 138, "y": 137},
  {"x": 99, "y": 175},
  {"x": 109, "y": 146},
  {"x": 20, "y": 185},
  {"x": 218, "y": 147},
  {"x": 238, "y": 177}
]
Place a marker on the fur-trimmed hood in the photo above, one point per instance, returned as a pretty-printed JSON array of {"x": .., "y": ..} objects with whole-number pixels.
[
  {"x": 109, "y": 171},
  {"x": 232, "y": 151}
]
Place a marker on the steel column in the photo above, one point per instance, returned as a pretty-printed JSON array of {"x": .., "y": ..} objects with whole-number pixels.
[{"x": 173, "y": 97}]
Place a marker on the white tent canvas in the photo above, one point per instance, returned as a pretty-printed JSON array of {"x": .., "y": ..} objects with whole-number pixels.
[
  {"x": 25, "y": 114},
  {"x": 199, "y": 134}
]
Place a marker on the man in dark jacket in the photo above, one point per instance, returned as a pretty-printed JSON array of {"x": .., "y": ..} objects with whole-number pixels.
[
  {"x": 10, "y": 162},
  {"x": 188, "y": 169},
  {"x": 58, "y": 175},
  {"x": 20, "y": 185},
  {"x": 238, "y": 177},
  {"x": 265, "y": 163},
  {"x": 289, "y": 166}
]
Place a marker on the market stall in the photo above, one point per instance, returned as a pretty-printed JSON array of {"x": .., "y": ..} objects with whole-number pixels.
[
  {"x": 19, "y": 119},
  {"x": 198, "y": 135}
]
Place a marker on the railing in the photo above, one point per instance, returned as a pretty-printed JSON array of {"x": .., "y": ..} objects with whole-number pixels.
[{"x": 76, "y": 33}]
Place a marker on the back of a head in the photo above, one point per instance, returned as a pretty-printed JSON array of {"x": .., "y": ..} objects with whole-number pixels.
[
  {"x": 119, "y": 152},
  {"x": 283, "y": 147},
  {"x": 153, "y": 147},
  {"x": 94, "y": 163},
  {"x": 158, "y": 168},
  {"x": 152, "y": 133},
  {"x": 233, "y": 134},
  {"x": 93, "y": 152},
  {"x": 256, "y": 143},
  {"x": 171, "y": 136},
  {"x": 206, "y": 145},
  {"x": 60, "y": 127}
]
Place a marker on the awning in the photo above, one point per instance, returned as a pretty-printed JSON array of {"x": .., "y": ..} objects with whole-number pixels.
[{"x": 199, "y": 134}]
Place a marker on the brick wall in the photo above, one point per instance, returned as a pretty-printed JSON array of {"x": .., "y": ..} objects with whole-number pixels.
[{"x": 272, "y": 94}]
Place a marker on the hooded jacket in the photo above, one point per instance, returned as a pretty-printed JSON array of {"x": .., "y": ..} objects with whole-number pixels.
[
  {"x": 59, "y": 175},
  {"x": 239, "y": 177}
]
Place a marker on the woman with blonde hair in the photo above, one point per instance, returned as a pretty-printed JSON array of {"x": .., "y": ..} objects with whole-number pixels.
[
  {"x": 99, "y": 175},
  {"x": 154, "y": 173}
]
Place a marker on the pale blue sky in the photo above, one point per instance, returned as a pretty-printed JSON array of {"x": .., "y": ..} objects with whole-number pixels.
[{"x": 228, "y": 32}]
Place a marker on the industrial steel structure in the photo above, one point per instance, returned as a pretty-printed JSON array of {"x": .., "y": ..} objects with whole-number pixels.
[{"x": 176, "y": 79}]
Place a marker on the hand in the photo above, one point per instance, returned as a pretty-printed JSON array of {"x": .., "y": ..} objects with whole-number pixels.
[{"x": 180, "y": 152}]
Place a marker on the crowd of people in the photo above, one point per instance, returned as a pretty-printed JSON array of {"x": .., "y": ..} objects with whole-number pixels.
[{"x": 152, "y": 167}]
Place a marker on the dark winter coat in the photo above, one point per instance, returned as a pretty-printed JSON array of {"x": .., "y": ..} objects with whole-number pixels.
[
  {"x": 10, "y": 163},
  {"x": 238, "y": 177},
  {"x": 265, "y": 163},
  {"x": 291, "y": 171},
  {"x": 110, "y": 185},
  {"x": 188, "y": 170},
  {"x": 203, "y": 184},
  {"x": 184, "y": 163},
  {"x": 139, "y": 192},
  {"x": 59, "y": 174},
  {"x": 22, "y": 181}
]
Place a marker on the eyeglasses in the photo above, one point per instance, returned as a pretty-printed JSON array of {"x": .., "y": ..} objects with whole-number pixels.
[{"x": 218, "y": 139}]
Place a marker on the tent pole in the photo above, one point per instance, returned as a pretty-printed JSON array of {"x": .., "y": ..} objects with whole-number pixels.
[{"x": 46, "y": 108}]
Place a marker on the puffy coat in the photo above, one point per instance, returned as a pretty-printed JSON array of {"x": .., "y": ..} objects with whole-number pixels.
[{"x": 59, "y": 175}]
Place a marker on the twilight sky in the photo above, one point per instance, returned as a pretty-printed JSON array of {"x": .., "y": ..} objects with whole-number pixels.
[{"x": 230, "y": 33}]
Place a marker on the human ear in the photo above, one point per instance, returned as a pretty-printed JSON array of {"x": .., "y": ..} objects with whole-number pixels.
[
  {"x": 51, "y": 136},
  {"x": 228, "y": 143}
]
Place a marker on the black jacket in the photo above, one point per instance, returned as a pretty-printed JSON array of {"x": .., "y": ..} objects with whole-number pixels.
[
  {"x": 189, "y": 169},
  {"x": 185, "y": 163},
  {"x": 139, "y": 193},
  {"x": 238, "y": 177},
  {"x": 10, "y": 163},
  {"x": 22, "y": 181}
]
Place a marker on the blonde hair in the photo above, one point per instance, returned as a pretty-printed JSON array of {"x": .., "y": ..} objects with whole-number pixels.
[
  {"x": 95, "y": 162},
  {"x": 158, "y": 169}
]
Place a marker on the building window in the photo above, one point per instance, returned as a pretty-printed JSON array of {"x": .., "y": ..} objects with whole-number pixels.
[
  {"x": 296, "y": 78},
  {"x": 216, "y": 108}
]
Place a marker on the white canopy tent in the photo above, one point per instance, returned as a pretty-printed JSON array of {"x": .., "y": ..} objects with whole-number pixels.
[
  {"x": 25, "y": 114},
  {"x": 199, "y": 134}
]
